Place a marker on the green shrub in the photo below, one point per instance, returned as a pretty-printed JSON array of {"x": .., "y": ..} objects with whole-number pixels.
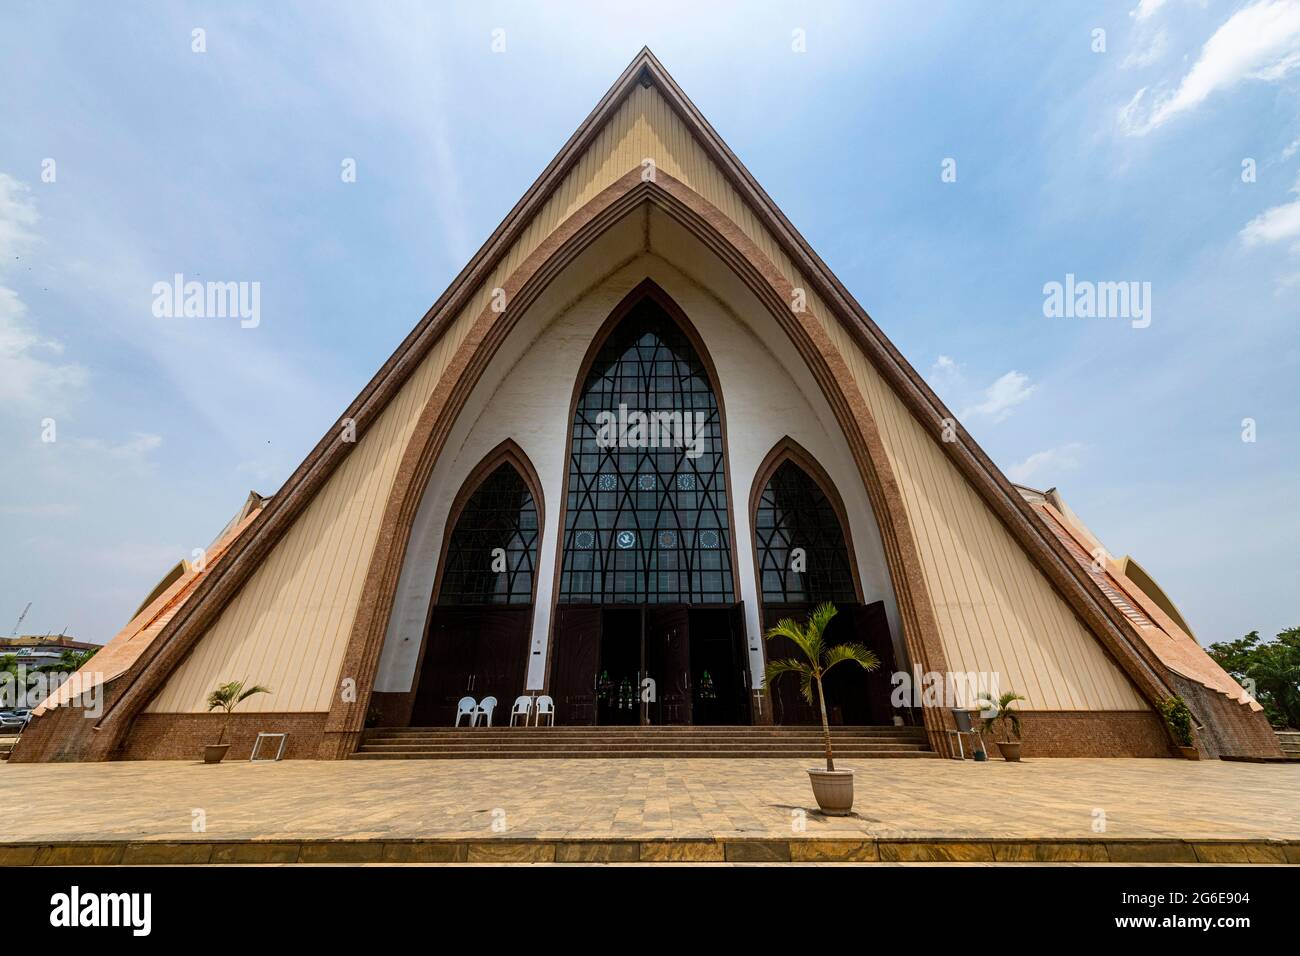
[{"x": 1179, "y": 719}]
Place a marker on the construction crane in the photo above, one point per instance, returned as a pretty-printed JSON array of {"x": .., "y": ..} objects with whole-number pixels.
[{"x": 21, "y": 618}]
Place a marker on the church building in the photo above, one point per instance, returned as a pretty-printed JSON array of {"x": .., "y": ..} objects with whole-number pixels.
[{"x": 642, "y": 425}]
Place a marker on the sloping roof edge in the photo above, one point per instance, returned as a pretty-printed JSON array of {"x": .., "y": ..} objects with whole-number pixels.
[
  {"x": 114, "y": 658},
  {"x": 1148, "y": 622}
]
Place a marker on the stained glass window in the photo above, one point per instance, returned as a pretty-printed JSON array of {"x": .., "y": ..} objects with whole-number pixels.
[
  {"x": 500, "y": 514},
  {"x": 794, "y": 512},
  {"x": 646, "y": 517}
]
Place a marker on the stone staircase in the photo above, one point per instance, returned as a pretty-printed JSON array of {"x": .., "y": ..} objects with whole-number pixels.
[
  {"x": 506, "y": 743},
  {"x": 1290, "y": 741}
]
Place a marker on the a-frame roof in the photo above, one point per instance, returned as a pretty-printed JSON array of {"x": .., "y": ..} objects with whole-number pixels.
[{"x": 225, "y": 578}]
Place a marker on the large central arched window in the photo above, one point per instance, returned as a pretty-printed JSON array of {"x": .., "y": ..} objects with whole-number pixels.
[{"x": 646, "y": 511}]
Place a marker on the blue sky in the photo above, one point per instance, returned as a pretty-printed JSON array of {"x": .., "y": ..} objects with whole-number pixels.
[{"x": 1122, "y": 164}]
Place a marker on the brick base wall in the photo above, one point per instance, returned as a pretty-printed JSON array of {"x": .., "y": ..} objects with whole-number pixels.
[
  {"x": 60, "y": 734},
  {"x": 183, "y": 736},
  {"x": 1091, "y": 733}
]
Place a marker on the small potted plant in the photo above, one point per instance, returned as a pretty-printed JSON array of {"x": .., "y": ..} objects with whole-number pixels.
[
  {"x": 227, "y": 697},
  {"x": 1179, "y": 719},
  {"x": 832, "y": 788},
  {"x": 1004, "y": 717}
]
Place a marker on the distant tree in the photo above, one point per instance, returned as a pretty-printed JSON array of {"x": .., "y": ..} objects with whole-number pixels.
[
  {"x": 1272, "y": 666},
  {"x": 69, "y": 660}
]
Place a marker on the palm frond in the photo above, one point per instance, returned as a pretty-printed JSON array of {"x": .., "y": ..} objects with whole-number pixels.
[
  {"x": 815, "y": 629},
  {"x": 850, "y": 652},
  {"x": 806, "y": 687},
  {"x": 775, "y": 669},
  {"x": 230, "y": 694},
  {"x": 256, "y": 689},
  {"x": 995, "y": 712},
  {"x": 797, "y": 635}
]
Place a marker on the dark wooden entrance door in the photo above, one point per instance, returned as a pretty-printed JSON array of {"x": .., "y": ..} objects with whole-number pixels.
[
  {"x": 719, "y": 672},
  {"x": 618, "y": 694},
  {"x": 602, "y": 656},
  {"x": 668, "y": 664},
  {"x": 853, "y": 696},
  {"x": 574, "y": 663},
  {"x": 471, "y": 652}
]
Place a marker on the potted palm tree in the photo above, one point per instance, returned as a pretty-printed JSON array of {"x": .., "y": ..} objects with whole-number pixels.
[
  {"x": 227, "y": 697},
  {"x": 832, "y": 788},
  {"x": 1004, "y": 716}
]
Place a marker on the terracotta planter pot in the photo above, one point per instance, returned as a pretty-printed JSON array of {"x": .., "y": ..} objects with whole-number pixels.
[
  {"x": 1010, "y": 750},
  {"x": 833, "y": 790},
  {"x": 214, "y": 753},
  {"x": 1189, "y": 753}
]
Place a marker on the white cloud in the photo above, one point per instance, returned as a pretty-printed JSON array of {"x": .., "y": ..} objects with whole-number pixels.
[
  {"x": 17, "y": 216},
  {"x": 31, "y": 377},
  {"x": 944, "y": 372},
  {"x": 1051, "y": 461},
  {"x": 1148, "y": 54},
  {"x": 1292, "y": 149},
  {"x": 1278, "y": 224},
  {"x": 1145, "y": 9},
  {"x": 1273, "y": 225},
  {"x": 1001, "y": 397},
  {"x": 1260, "y": 41}
]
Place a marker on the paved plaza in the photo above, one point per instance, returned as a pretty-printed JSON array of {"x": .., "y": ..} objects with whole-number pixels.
[{"x": 648, "y": 799}]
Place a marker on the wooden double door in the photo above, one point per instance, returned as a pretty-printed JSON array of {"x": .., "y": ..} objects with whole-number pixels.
[
  {"x": 472, "y": 652},
  {"x": 649, "y": 665},
  {"x": 853, "y": 696}
]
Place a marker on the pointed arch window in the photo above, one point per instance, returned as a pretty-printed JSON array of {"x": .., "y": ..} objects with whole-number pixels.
[
  {"x": 794, "y": 513},
  {"x": 646, "y": 518},
  {"x": 493, "y": 548}
]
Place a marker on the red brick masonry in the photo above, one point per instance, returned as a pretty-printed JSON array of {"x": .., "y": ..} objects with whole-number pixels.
[
  {"x": 183, "y": 736},
  {"x": 173, "y": 736}
]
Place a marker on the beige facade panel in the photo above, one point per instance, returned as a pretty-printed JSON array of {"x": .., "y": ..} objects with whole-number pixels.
[
  {"x": 996, "y": 610},
  {"x": 289, "y": 625}
]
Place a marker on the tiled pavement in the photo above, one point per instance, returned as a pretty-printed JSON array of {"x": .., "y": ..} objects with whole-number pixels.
[{"x": 757, "y": 799}]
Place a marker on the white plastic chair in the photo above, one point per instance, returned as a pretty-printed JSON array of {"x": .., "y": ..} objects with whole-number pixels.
[
  {"x": 523, "y": 708},
  {"x": 467, "y": 707},
  {"x": 485, "y": 708},
  {"x": 545, "y": 708}
]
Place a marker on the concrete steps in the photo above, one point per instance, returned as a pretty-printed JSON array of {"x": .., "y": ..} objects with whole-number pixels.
[
  {"x": 515, "y": 743},
  {"x": 1290, "y": 742}
]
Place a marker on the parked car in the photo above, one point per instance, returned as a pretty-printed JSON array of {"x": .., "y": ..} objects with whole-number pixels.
[{"x": 11, "y": 722}]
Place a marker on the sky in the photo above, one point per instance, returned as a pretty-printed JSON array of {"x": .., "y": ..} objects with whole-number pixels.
[{"x": 949, "y": 161}]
